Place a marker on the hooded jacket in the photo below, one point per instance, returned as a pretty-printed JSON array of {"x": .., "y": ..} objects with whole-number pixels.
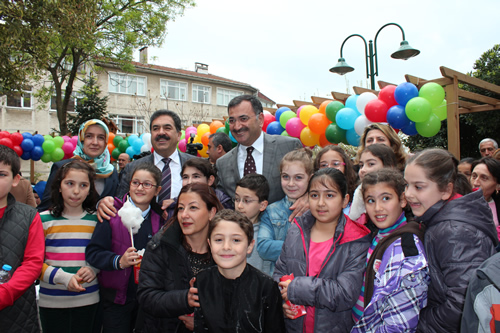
[
  {"x": 460, "y": 235},
  {"x": 335, "y": 290}
]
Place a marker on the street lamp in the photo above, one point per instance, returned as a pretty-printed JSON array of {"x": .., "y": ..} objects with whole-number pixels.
[{"x": 404, "y": 52}]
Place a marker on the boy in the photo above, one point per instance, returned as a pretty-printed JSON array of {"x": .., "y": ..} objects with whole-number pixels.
[
  {"x": 250, "y": 199},
  {"x": 22, "y": 247}
]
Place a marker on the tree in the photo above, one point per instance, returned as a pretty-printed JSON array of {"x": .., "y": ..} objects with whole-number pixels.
[
  {"x": 61, "y": 37},
  {"x": 91, "y": 106},
  {"x": 473, "y": 126}
]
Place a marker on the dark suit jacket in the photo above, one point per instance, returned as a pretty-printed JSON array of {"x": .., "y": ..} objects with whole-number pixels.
[
  {"x": 275, "y": 147},
  {"x": 110, "y": 185},
  {"x": 129, "y": 170}
]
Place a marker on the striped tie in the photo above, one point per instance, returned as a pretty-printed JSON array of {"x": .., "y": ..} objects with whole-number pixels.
[{"x": 166, "y": 181}]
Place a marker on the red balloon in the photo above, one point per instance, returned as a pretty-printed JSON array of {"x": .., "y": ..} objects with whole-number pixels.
[
  {"x": 386, "y": 95},
  {"x": 6, "y": 142},
  {"x": 376, "y": 111},
  {"x": 16, "y": 138},
  {"x": 5, "y": 134},
  {"x": 323, "y": 141},
  {"x": 268, "y": 118},
  {"x": 18, "y": 150}
]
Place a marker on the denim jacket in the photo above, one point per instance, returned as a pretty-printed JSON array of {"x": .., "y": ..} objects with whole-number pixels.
[{"x": 273, "y": 228}]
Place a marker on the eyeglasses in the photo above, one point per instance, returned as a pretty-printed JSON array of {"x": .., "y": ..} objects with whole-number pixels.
[
  {"x": 244, "y": 200},
  {"x": 145, "y": 185},
  {"x": 332, "y": 164}
]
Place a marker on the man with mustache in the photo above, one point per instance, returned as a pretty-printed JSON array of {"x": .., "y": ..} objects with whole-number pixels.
[{"x": 165, "y": 128}]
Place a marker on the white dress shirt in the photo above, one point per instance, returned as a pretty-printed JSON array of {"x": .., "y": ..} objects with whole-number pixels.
[
  {"x": 175, "y": 171},
  {"x": 258, "y": 155}
]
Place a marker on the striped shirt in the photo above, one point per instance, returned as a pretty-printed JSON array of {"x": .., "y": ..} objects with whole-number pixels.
[{"x": 66, "y": 238}]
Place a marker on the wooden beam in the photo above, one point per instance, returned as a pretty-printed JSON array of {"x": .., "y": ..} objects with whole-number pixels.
[
  {"x": 419, "y": 82},
  {"x": 450, "y": 73},
  {"x": 453, "y": 118},
  {"x": 340, "y": 96},
  {"x": 383, "y": 84},
  {"x": 291, "y": 107},
  {"x": 477, "y": 97},
  {"x": 360, "y": 90},
  {"x": 300, "y": 103},
  {"x": 272, "y": 110},
  {"x": 481, "y": 108},
  {"x": 466, "y": 105},
  {"x": 319, "y": 100}
]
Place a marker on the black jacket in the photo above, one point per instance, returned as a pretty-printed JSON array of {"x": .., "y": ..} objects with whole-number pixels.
[{"x": 460, "y": 235}]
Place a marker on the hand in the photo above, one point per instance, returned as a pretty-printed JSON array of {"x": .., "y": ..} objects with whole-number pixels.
[
  {"x": 284, "y": 289},
  {"x": 193, "y": 299},
  {"x": 299, "y": 207},
  {"x": 86, "y": 273},
  {"x": 166, "y": 203},
  {"x": 287, "y": 311},
  {"x": 130, "y": 258},
  {"x": 74, "y": 284},
  {"x": 188, "y": 321},
  {"x": 106, "y": 209}
]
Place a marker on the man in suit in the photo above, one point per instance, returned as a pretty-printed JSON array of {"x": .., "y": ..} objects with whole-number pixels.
[
  {"x": 165, "y": 128},
  {"x": 245, "y": 123}
]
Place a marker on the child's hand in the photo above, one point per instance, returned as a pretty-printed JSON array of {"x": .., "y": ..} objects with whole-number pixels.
[
  {"x": 284, "y": 289},
  {"x": 130, "y": 258},
  {"x": 74, "y": 284},
  {"x": 106, "y": 209},
  {"x": 193, "y": 299},
  {"x": 86, "y": 273},
  {"x": 188, "y": 321},
  {"x": 287, "y": 311},
  {"x": 166, "y": 203},
  {"x": 299, "y": 207}
]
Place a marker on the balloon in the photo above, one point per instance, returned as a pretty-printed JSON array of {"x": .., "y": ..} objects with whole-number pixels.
[
  {"x": 17, "y": 138},
  {"x": 74, "y": 140},
  {"x": 298, "y": 110},
  {"x": 396, "y": 117},
  {"x": 117, "y": 140},
  {"x": 430, "y": 127},
  {"x": 410, "y": 129},
  {"x": 404, "y": 92},
  {"x": 123, "y": 145},
  {"x": 8, "y": 142},
  {"x": 386, "y": 95},
  {"x": 36, "y": 153},
  {"x": 57, "y": 154},
  {"x": 48, "y": 146},
  {"x": 308, "y": 137},
  {"x": 5, "y": 134},
  {"x": 37, "y": 139},
  {"x": 215, "y": 125},
  {"x": 352, "y": 137},
  {"x": 318, "y": 123},
  {"x": 275, "y": 128},
  {"x": 363, "y": 99},
  {"x": 145, "y": 148},
  {"x": 285, "y": 117},
  {"x": 233, "y": 139},
  {"x": 111, "y": 147},
  {"x": 360, "y": 124},
  {"x": 284, "y": 133},
  {"x": 441, "y": 110},
  {"x": 203, "y": 152},
  {"x": 306, "y": 112},
  {"x": 280, "y": 111},
  {"x": 418, "y": 109},
  {"x": 376, "y": 111},
  {"x": 323, "y": 141},
  {"x": 27, "y": 135},
  {"x": 183, "y": 135},
  {"x": 205, "y": 138},
  {"x": 132, "y": 138},
  {"x": 46, "y": 157},
  {"x": 332, "y": 109},
  {"x": 334, "y": 133},
  {"x": 189, "y": 130},
  {"x": 223, "y": 130},
  {"x": 116, "y": 152},
  {"x": 226, "y": 126},
  {"x": 58, "y": 141},
  {"x": 294, "y": 127},
  {"x": 137, "y": 145},
  {"x": 111, "y": 137},
  {"x": 350, "y": 102},
  {"x": 322, "y": 107},
  {"x": 433, "y": 93},
  {"x": 130, "y": 151},
  {"x": 26, "y": 155},
  {"x": 182, "y": 145},
  {"x": 19, "y": 150},
  {"x": 47, "y": 137},
  {"x": 268, "y": 118},
  {"x": 146, "y": 138},
  {"x": 346, "y": 117},
  {"x": 68, "y": 148},
  {"x": 202, "y": 129}
]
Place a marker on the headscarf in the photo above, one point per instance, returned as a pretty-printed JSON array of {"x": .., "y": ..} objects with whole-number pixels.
[{"x": 101, "y": 163}]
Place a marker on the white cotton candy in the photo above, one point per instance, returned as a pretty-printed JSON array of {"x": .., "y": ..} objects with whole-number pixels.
[{"x": 131, "y": 217}]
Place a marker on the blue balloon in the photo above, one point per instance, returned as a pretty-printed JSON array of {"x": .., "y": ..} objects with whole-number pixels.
[
  {"x": 132, "y": 138},
  {"x": 404, "y": 92},
  {"x": 36, "y": 153},
  {"x": 137, "y": 144},
  {"x": 352, "y": 137},
  {"x": 350, "y": 102},
  {"x": 280, "y": 111},
  {"x": 130, "y": 151},
  {"x": 396, "y": 117},
  {"x": 410, "y": 129},
  {"x": 232, "y": 138},
  {"x": 27, "y": 144},
  {"x": 346, "y": 117},
  {"x": 38, "y": 139},
  {"x": 274, "y": 128},
  {"x": 27, "y": 135},
  {"x": 26, "y": 155}
]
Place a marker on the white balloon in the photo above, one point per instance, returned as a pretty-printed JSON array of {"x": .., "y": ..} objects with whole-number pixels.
[
  {"x": 146, "y": 138},
  {"x": 363, "y": 99},
  {"x": 145, "y": 148},
  {"x": 360, "y": 124}
]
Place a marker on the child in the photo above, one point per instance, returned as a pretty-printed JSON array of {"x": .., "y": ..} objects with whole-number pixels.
[
  {"x": 460, "y": 235},
  {"x": 250, "y": 199},
  {"x": 397, "y": 275},
  {"x": 296, "y": 169},
  {"x": 326, "y": 252},
  {"x": 234, "y": 296},
  {"x": 111, "y": 250},
  {"x": 22, "y": 247},
  {"x": 69, "y": 293}
]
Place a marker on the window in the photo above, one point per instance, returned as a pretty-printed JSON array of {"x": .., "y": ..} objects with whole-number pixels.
[
  {"x": 129, "y": 124},
  {"x": 127, "y": 84},
  {"x": 201, "y": 94},
  {"x": 225, "y": 95},
  {"x": 20, "y": 99},
  {"x": 73, "y": 102},
  {"x": 173, "y": 90}
]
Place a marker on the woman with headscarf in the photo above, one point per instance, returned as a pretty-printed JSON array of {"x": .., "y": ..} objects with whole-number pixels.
[{"x": 91, "y": 148}]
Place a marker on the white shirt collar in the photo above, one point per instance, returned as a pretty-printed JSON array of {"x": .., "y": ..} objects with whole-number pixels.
[
  {"x": 174, "y": 157},
  {"x": 257, "y": 145}
]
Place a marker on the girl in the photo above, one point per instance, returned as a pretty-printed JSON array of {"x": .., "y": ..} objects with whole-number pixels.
[
  {"x": 296, "y": 169},
  {"x": 397, "y": 275},
  {"x": 326, "y": 252},
  {"x": 173, "y": 257},
  {"x": 234, "y": 296},
  {"x": 459, "y": 235},
  {"x": 69, "y": 293},
  {"x": 465, "y": 166},
  {"x": 112, "y": 252}
]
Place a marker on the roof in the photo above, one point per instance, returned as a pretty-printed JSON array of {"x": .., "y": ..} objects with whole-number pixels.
[{"x": 264, "y": 97}]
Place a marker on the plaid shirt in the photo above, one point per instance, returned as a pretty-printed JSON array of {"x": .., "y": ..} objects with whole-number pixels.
[{"x": 400, "y": 291}]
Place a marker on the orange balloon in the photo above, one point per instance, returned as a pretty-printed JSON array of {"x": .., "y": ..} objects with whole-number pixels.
[
  {"x": 204, "y": 138},
  {"x": 111, "y": 137},
  {"x": 202, "y": 129},
  {"x": 318, "y": 123},
  {"x": 111, "y": 147},
  {"x": 322, "y": 107},
  {"x": 323, "y": 142},
  {"x": 306, "y": 112},
  {"x": 308, "y": 137},
  {"x": 215, "y": 125}
]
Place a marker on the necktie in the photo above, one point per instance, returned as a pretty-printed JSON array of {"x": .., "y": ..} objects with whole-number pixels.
[
  {"x": 249, "y": 162},
  {"x": 166, "y": 181}
]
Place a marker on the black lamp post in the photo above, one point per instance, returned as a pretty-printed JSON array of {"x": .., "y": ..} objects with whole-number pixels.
[{"x": 404, "y": 52}]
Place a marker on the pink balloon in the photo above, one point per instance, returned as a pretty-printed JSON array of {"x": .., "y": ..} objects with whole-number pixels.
[
  {"x": 66, "y": 138},
  {"x": 190, "y": 130},
  {"x": 182, "y": 144},
  {"x": 298, "y": 110},
  {"x": 68, "y": 148},
  {"x": 294, "y": 126},
  {"x": 74, "y": 140}
]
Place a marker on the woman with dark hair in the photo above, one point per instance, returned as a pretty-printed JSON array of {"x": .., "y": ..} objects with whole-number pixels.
[{"x": 173, "y": 257}]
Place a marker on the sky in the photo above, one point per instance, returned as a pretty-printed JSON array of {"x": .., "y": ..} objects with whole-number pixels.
[{"x": 286, "y": 48}]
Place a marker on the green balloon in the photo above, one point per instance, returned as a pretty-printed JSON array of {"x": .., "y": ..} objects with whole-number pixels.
[
  {"x": 183, "y": 134},
  {"x": 285, "y": 117},
  {"x": 58, "y": 141},
  {"x": 46, "y": 158},
  {"x": 418, "y": 109},
  {"x": 227, "y": 126},
  {"x": 332, "y": 108},
  {"x": 117, "y": 140},
  {"x": 430, "y": 127},
  {"x": 48, "y": 146},
  {"x": 433, "y": 93},
  {"x": 441, "y": 111},
  {"x": 123, "y": 145},
  {"x": 116, "y": 153},
  {"x": 57, "y": 155},
  {"x": 335, "y": 134},
  {"x": 47, "y": 137},
  {"x": 284, "y": 133},
  {"x": 221, "y": 130}
]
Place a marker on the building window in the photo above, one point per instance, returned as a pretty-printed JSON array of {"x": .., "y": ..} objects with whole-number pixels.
[
  {"x": 127, "y": 84},
  {"x": 173, "y": 90},
  {"x": 129, "y": 124},
  {"x": 20, "y": 99},
  {"x": 201, "y": 94},
  {"x": 225, "y": 95},
  {"x": 73, "y": 102}
]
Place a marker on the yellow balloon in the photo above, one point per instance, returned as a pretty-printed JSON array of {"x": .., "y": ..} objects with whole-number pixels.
[
  {"x": 202, "y": 129},
  {"x": 203, "y": 152},
  {"x": 308, "y": 137},
  {"x": 197, "y": 139},
  {"x": 306, "y": 112}
]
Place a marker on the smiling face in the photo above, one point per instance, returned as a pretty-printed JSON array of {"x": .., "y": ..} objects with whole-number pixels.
[
  {"x": 142, "y": 196},
  {"x": 294, "y": 179},
  {"x": 94, "y": 141},
  {"x": 332, "y": 159},
  {"x": 421, "y": 192},
  {"x": 244, "y": 124},
  {"x": 326, "y": 202},
  {"x": 482, "y": 178},
  {"x": 164, "y": 136},
  {"x": 376, "y": 136},
  {"x": 230, "y": 247},
  {"x": 74, "y": 190},
  {"x": 193, "y": 215},
  {"x": 369, "y": 163},
  {"x": 383, "y": 205}
]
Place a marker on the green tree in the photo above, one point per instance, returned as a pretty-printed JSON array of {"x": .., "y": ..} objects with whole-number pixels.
[
  {"x": 59, "y": 37},
  {"x": 91, "y": 106},
  {"x": 473, "y": 126}
]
